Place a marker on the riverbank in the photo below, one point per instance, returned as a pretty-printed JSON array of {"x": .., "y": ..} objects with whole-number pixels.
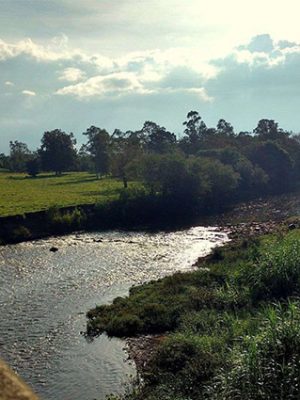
[
  {"x": 55, "y": 289},
  {"x": 247, "y": 221},
  {"x": 177, "y": 328},
  {"x": 12, "y": 387},
  {"x": 143, "y": 348},
  {"x": 133, "y": 211}
]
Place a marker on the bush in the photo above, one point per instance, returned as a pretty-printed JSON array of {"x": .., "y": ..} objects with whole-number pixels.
[
  {"x": 191, "y": 359},
  {"x": 125, "y": 325},
  {"x": 64, "y": 221},
  {"x": 158, "y": 318},
  {"x": 21, "y": 233}
]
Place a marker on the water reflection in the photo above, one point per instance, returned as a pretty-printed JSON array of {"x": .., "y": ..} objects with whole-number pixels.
[{"x": 44, "y": 297}]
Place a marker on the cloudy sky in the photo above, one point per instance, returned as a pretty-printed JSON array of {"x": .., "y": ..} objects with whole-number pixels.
[{"x": 70, "y": 64}]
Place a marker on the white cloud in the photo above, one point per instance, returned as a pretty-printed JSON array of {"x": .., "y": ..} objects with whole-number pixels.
[
  {"x": 115, "y": 84},
  {"x": 72, "y": 75},
  {"x": 200, "y": 92},
  {"x": 93, "y": 75},
  {"x": 55, "y": 50},
  {"x": 28, "y": 93},
  {"x": 9, "y": 83},
  {"x": 262, "y": 51}
]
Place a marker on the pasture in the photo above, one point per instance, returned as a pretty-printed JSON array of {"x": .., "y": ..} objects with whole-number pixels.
[{"x": 20, "y": 193}]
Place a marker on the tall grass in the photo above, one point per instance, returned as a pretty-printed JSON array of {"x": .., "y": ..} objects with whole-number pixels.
[
  {"x": 265, "y": 366},
  {"x": 232, "y": 330},
  {"x": 276, "y": 272}
]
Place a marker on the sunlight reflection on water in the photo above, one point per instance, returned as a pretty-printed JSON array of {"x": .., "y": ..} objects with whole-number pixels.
[{"x": 44, "y": 297}]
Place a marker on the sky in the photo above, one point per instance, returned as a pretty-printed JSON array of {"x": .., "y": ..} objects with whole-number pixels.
[{"x": 70, "y": 64}]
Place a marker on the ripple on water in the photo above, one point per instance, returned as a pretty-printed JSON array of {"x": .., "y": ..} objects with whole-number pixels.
[{"x": 44, "y": 297}]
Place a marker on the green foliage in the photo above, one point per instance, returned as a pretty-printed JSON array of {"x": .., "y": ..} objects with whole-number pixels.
[
  {"x": 125, "y": 325},
  {"x": 4, "y": 162},
  {"x": 266, "y": 365},
  {"x": 204, "y": 172},
  {"x": 98, "y": 147},
  {"x": 58, "y": 151},
  {"x": 60, "y": 220},
  {"x": 125, "y": 150},
  {"x": 222, "y": 179},
  {"x": 195, "y": 131},
  {"x": 276, "y": 273},
  {"x": 275, "y": 161},
  {"x": 251, "y": 177},
  {"x": 268, "y": 129},
  {"x": 156, "y": 139},
  {"x": 187, "y": 361},
  {"x": 193, "y": 181},
  {"x": 233, "y": 327},
  {"x": 33, "y": 166},
  {"x": 18, "y": 157}
]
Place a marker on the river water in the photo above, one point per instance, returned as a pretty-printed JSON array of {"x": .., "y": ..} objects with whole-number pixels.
[{"x": 44, "y": 297}]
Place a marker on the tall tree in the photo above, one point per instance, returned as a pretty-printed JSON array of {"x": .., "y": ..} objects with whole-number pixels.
[
  {"x": 224, "y": 128},
  {"x": 126, "y": 148},
  {"x": 195, "y": 131},
  {"x": 157, "y": 138},
  {"x": 19, "y": 155},
  {"x": 33, "y": 165},
  {"x": 58, "y": 151},
  {"x": 267, "y": 129},
  {"x": 275, "y": 161},
  {"x": 4, "y": 161},
  {"x": 99, "y": 145}
]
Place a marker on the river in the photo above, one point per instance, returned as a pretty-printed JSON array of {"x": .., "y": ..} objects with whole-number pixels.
[{"x": 44, "y": 297}]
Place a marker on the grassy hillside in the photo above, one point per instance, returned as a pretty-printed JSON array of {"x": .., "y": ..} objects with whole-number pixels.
[{"x": 21, "y": 194}]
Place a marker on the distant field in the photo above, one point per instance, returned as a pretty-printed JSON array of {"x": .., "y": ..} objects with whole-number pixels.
[{"x": 20, "y": 194}]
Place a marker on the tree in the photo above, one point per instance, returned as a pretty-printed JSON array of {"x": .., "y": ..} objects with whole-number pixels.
[
  {"x": 84, "y": 160},
  {"x": 4, "y": 161},
  {"x": 221, "y": 179},
  {"x": 98, "y": 146},
  {"x": 224, "y": 128},
  {"x": 157, "y": 138},
  {"x": 33, "y": 166},
  {"x": 195, "y": 132},
  {"x": 267, "y": 129},
  {"x": 18, "y": 157},
  {"x": 126, "y": 148},
  {"x": 58, "y": 151},
  {"x": 171, "y": 175},
  {"x": 275, "y": 161}
]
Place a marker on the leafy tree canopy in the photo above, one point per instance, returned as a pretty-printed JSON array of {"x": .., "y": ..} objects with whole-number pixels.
[{"x": 58, "y": 151}]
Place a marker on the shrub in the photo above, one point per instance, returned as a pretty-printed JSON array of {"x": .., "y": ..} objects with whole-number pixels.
[
  {"x": 21, "y": 233},
  {"x": 124, "y": 325},
  {"x": 191, "y": 359},
  {"x": 158, "y": 318},
  {"x": 63, "y": 221}
]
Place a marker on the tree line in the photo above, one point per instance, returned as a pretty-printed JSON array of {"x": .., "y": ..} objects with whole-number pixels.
[{"x": 211, "y": 163}]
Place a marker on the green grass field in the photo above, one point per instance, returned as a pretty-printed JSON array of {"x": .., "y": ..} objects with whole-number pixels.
[{"x": 20, "y": 194}]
